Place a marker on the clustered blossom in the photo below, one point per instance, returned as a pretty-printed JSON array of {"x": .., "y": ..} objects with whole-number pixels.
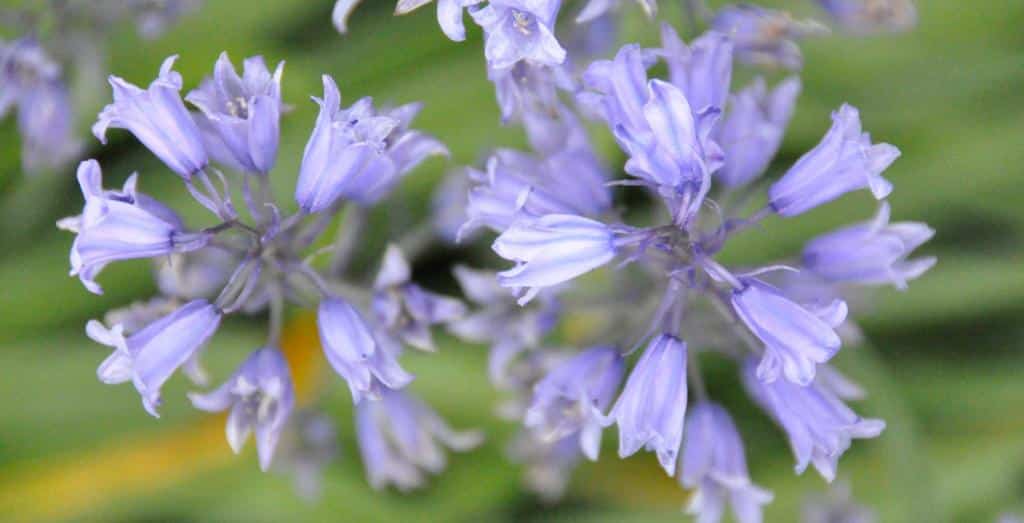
[
  {"x": 692, "y": 144},
  {"x": 354, "y": 159},
  {"x": 698, "y": 146}
]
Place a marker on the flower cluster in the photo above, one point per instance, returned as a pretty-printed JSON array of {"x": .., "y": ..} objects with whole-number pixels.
[
  {"x": 699, "y": 148},
  {"x": 696, "y": 148},
  {"x": 257, "y": 264}
]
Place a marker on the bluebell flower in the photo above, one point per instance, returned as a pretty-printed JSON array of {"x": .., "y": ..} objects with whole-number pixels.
[
  {"x": 150, "y": 356},
  {"x": 528, "y": 88},
  {"x": 260, "y": 395},
  {"x": 158, "y": 118},
  {"x": 871, "y": 253},
  {"x": 121, "y": 226},
  {"x": 406, "y": 309},
  {"x": 675, "y": 155},
  {"x": 871, "y": 16},
  {"x": 354, "y": 353},
  {"x": 552, "y": 249},
  {"x": 448, "y": 204},
  {"x": 572, "y": 398},
  {"x": 400, "y": 437},
  {"x": 518, "y": 30},
  {"x": 358, "y": 153},
  {"x": 651, "y": 409},
  {"x": 32, "y": 83},
  {"x": 819, "y": 425},
  {"x": 518, "y": 185},
  {"x": 240, "y": 116},
  {"x": 597, "y": 8},
  {"x": 752, "y": 130},
  {"x": 845, "y": 160},
  {"x": 715, "y": 466},
  {"x": 617, "y": 89},
  {"x": 765, "y": 37},
  {"x": 795, "y": 337},
  {"x": 702, "y": 70}
]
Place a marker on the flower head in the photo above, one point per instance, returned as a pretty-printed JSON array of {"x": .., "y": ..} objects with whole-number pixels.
[
  {"x": 240, "y": 116},
  {"x": 150, "y": 356},
  {"x": 796, "y": 337},
  {"x": 702, "y": 70},
  {"x": 675, "y": 154},
  {"x": 752, "y": 130},
  {"x": 399, "y": 438},
  {"x": 651, "y": 409},
  {"x": 121, "y": 226},
  {"x": 158, "y": 118},
  {"x": 819, "y": 425},
  {"x": 844, "y": 161},
  {"x": 552, "y": 249},
  {"x": 354, "y": 353},
  {"x": 518, "y": 30},
  {"x": 715, "y": 465},
  {"x": 871, "y": 253},
  {"x": 572, "y": 397},
  {"x": 358, "y": 153},
  {"x": 260, "y": 395}
]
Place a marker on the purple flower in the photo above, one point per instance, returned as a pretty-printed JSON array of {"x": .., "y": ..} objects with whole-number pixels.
[
  {"x": 651, "y": 409},
  {"x": 870, "y": 253},
  {"x": 796, "y": 337},
  {"x": 819, "y": 425},
  {"x": 572, "y": 397},
  {"x": 158, "y": 118},
  {"x": 260, "y": 395},
  {"x": 241, "y": 116},
  {"x": 357, "y": 153},
  {"x": 765, "y": 37},
  {"x": 528, "y": 88},
  {"x": 520, "y": 30},
  {"x": 702, "y": 70},
  {"x": 714, "y": 465},
  {"x": 675, "y": 155},
  {"x": 154, "y": 18},
  {"x": 552, "y": 249},
  {"x": 870, "y": 16},
  {"x": 596, "y": 8},
  {"x": 121, "y": 226},
  {"x": 406, "y": 309},
  {"x": 399, "y": 438},
  {"x": 752, "y": 130},
  {"x": 618, "y": 88},
  {"x": 518, "y": 185},
  {"x": 31, "y": 82},
  {"x": 351, "y": 349},
  {"x": 844, "y": 161},
  {"x": 150, "y": 356}
]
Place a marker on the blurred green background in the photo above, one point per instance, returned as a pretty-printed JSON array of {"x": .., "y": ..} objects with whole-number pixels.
[{"x": 943, "y": 367}]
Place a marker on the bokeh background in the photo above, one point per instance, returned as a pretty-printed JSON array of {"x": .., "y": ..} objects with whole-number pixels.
[{"x": 943, "y": 366}]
